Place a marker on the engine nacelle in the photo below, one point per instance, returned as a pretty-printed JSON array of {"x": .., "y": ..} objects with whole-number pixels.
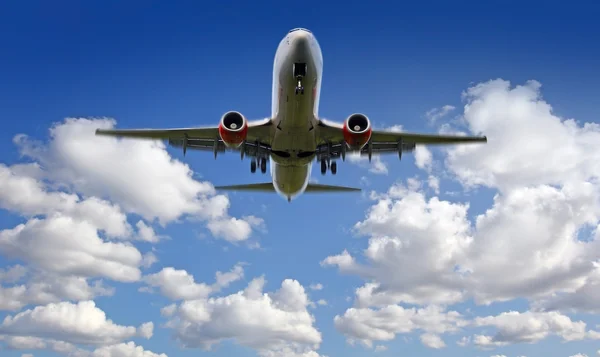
[
  {"x": 233, "y": 128},
  {"x": 357, "y": 131}
]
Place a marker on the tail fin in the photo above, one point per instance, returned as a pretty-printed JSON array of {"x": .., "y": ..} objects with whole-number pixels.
[{"x": 268, "y": 187}]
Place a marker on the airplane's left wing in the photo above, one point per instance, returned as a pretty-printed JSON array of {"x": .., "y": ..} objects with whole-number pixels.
[
  {"x": 333, "y": 136},
  {"x": 257, "y": 137}
]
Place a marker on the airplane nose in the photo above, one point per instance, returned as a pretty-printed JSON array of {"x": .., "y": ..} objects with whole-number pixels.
[{"x": 302, "y": 42}]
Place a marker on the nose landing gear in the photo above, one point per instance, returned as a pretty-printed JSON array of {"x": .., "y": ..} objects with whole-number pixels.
[
  {"x": 299, "y": 87},
  {"x": 299, "y": 74}
]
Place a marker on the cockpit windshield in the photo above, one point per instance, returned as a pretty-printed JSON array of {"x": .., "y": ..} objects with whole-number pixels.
[{"x": 299, "y": 29}]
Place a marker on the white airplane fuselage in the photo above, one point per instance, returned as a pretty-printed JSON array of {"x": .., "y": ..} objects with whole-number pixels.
[{"x": 295, "y": 115}]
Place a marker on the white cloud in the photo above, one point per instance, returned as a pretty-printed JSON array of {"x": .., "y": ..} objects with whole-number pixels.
[
  {"x": 530, "y": 327},
  {"x": 317, "y": 286},
  {"x": 584, "y": 298},
  {"x": 423, "y": 158},
  {"x": 43, "y": 288},
  {"x": 180, "y": 285},
  {"x": 464, "y": 341},
  {"x": 81, "y": 323},
  {"x": 367, "y": 325},
  {"x": 137, "y": 175},
  {"x": 12, "y": 274},
  {"x": 437, "y": 113},
  {"x": 380, "y": 348},
  {"x": 579, "y": 355},
  {"x": 28, "y": 196},
  {"x": 434, "y": 183},
  {"x": 539, "y": 239},
  {"x": 124, "y": 350},
  {"x": 275, "y": 324},
  {"x": 432, "y": 341},
  {"x": 410, "y": 233},
  {"x": 65, "y": 245},
  {"x": 129, "y": 349},
  {"x": 376, "y": 166},
  {"x": 527, "y": 143}
]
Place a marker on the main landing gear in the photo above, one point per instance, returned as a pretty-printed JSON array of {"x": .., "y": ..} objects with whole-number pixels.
[
  {"x": 263, "y": 165},
  {"x": 332, "y": 166},
  {"x": 299, "y": 74}
]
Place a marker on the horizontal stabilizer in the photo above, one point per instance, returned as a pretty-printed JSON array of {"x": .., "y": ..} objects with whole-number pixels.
[
  {"x": 315, "y": 187},
  {"x": 268, "y": 187},
  {"x": 257, "y": 187}
]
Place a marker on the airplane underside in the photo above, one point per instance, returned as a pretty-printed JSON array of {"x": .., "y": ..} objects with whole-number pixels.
[{"x": 293, "y": 136}]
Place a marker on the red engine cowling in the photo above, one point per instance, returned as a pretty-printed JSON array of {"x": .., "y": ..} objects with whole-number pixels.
[
  {"x": 357, "y": 131},
  {"x": 233, "y": 129}
]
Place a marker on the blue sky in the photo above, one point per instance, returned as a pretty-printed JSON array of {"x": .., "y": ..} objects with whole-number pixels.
[{"x": 514, "y": 71}]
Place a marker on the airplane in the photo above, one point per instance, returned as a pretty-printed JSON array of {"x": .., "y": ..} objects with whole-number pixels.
[{"x": 294, "y": 135}]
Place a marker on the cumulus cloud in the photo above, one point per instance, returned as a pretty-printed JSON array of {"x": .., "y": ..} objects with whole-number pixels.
[
  {"x": 366, "y": 325},
  {"x": 275, "y": 324},
  {"x": 528, "y": 144},
  {"x": 437, "y": 113},
  {"x": 376, "y": 166},
  {"x": 180, "y": 285},
  {"x": 43, "y": 288},
  {"x": 538, "y": 240},
  {"x": 12, "y": 274},
  {"x": 530, "y": 327},
  {"x": 129, "y": 349},
  {"x": 81, "y": 323},
  {"x": 137, "y": 175},
  {"x": 66, "y": 245},
  {"x": 432, "y": 341}
]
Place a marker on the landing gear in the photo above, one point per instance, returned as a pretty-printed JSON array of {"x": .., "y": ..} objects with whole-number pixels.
[
  {"x": 299, "y": 74},
  {"x": 332, "y": 167},
  {"x": 299, "y": 87},
  {"x": 263, "y": 165},
  {"x": 254, "y": 164}
]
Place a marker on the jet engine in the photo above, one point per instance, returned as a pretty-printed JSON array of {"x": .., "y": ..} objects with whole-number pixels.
[
  {"x": 233, "y": 128},
  {"x": 357, "y": 131}
]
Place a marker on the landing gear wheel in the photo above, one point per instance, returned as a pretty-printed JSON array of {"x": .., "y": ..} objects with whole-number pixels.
[
  {"x": 253, "y": 166},
  {"x": 333, "y": 168},
  {"x": 263, "y": 165},
  {"x": 299, "y": 86},
  {"x": 323, "y": 167}
]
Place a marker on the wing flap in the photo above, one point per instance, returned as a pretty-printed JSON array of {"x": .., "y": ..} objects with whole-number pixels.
[
  {"x": 199, "y": 133},
  {"x": 257, "y": 130},
  {"x": 429, "y": 139}
]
